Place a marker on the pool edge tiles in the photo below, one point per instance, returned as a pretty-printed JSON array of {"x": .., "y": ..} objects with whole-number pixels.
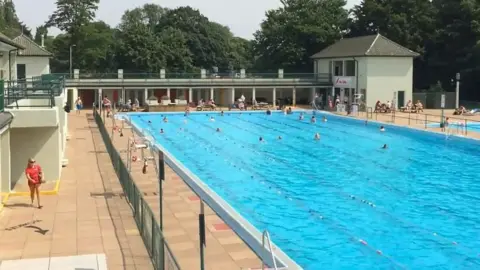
[{"x": 247, "y": 232}]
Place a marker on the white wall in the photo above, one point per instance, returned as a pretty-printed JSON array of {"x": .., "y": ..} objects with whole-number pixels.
[
  {"x": 387, "y": 75},
  {"x": 323, "y": 67},
  {"x": 43, "y": 144},
  {"x": 35, "y": 66},
  {"x": 5, "y": 160},
  {"x": 5, "y": 67}
]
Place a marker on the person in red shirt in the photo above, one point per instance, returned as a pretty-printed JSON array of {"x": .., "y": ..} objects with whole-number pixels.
[{"x": 35, "y": 179}]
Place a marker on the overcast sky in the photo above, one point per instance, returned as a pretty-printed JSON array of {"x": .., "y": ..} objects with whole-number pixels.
[{"x": 242, "y": 16}]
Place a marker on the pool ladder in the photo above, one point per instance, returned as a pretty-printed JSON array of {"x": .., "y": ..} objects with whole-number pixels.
[{"x": 266, "y": 239}]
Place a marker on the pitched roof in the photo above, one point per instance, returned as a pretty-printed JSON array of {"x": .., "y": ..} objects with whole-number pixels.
[
  {"x": 31, "y": 47},
  {"x": 8, "y": 41},
  {"x": 373, "y": 45}
]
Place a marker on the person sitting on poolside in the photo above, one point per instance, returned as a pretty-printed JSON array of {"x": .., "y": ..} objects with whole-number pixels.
[
  {"x": 300, "y": 117},
  {"x": 212, "y": 119},
  {"x": 382, "y": 129},
  {"x": 317, "y": 136},
  {"x": 218, "y": 130},
  {"x": 165, "y": 119},
  {"x": 313, "y": 119},
  {"x": 161, "y": 131},
  {"x": 385, "y": 146},
  {"x": 324, "y": 119}
]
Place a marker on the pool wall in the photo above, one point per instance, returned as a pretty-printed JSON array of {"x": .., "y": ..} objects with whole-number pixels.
[{"x": 247, "y": 232}]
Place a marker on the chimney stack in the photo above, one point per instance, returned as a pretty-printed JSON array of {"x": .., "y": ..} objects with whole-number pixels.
[{"x": 43, "y": 41}]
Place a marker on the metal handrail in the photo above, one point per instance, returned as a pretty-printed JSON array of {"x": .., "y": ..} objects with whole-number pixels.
[{"x": 266, "y": 237}]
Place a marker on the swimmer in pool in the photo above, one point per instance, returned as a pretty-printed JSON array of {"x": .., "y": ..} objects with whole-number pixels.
[
  {"x": 185, "y": 121},
  {"x": 261, "y": 139},
  {"x": 218, "y": 130},
  {"x": 317, "y": 136},
  {"x": 149, "y": 121},
  {"x": 212, "y": 119},
  {"x": 165, "y": 119},
  {"x": 382, "y": 129},
  {"x": 300, "y": 117},
  {"x": 221, "y": 113},
  {"x": 269, "y": 112},
  {"x": 324, "y": 119},
  {"x": 385, "y": 146},
  {"x": 313, "y": 119},
  {"x": 161, "y": 131},
  {"x": 279, "y": 137}
]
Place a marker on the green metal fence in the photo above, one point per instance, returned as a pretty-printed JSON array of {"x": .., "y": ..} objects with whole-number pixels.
[
  {"x": 161, "y": 255},
  {"x": 2, "y": 96}
]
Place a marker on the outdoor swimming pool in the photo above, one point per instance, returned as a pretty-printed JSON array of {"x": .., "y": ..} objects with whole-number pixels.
[{"x": 341, "y": 202}]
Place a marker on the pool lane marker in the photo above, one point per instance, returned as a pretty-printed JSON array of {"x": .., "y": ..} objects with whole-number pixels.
[
  {"x": 351, "y": 236},
  {"x": 428, "y": 232},
  {"x": 369, "y": 203},
  {"x": 279, "y": 192}
]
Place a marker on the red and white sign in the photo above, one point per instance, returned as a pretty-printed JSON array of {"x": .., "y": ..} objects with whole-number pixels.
[{"x": 342, "y": 82}]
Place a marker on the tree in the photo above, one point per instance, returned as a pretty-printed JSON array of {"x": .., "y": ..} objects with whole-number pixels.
[
  {"x": 456, "y": 47},
  {"x": 71, "y": 15},
  {"x": 410, "y": 23},
  {"x": 139, "y": 49},
  {"x": 300, "y": 28},
  {"x": 207, "y": 41},
  {"x": 40, "y": 32}
]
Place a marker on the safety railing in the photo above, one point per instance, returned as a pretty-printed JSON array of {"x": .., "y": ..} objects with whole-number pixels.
[
  {"x": 2, "y": 96},
  {"x": 468, "y": 124},
  {"x": 146, "y": 75},
  {"x": 40, "y": 92},
  {"x": 266, "y": 240},
  {"x": 150, "y": 230}
]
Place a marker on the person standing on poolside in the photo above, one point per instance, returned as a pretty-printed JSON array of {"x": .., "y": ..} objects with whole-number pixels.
[
  {"x": 78, "y": 104},
  {"x": 35, "y": 177}
]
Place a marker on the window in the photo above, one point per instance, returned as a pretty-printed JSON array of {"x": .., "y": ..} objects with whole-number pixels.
[
  {"x": 338, "y": 68},
  {"x": 350, "y": 68}
]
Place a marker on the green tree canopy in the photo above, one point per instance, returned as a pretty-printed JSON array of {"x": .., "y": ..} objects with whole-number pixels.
[{"x": 300, "y": 28}]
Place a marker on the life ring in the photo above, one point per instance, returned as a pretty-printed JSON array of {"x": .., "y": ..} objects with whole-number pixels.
[{"x": 134, "y": 158}]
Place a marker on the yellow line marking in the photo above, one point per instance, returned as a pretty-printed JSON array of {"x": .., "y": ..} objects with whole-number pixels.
[
  {"x": 4, "y": 200},
  {"x": 42, "y": 192}
]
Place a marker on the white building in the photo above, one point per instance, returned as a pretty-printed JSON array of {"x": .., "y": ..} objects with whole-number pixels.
[
  {"x": 32, "y": 61},
  {"x": 26, "y": 109},
  {"x": 366, "y": 69}
]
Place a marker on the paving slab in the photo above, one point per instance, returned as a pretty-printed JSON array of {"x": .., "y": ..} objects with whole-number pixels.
[
  {"x": 82, "y": 219},
  {"x": 224, "y": 250}
]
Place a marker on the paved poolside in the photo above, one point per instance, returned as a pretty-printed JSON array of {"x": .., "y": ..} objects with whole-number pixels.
[
  {"x": 82, "y": 219},
  {"x": 417, "y": 121},
  {"x": 224, "y": 248}
]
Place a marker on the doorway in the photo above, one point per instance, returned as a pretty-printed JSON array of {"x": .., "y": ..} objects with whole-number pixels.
[
  {"x": 70, "y": 100},
  {"x": 400, "y": 99},
  {"x": 21, "y": 71}
]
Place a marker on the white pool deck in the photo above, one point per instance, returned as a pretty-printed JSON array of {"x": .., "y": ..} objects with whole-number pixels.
[{"x": 83, "y": 262}]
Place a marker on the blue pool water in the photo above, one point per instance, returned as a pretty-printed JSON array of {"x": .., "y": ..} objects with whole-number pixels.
[{"x": 341, "y": 202}]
